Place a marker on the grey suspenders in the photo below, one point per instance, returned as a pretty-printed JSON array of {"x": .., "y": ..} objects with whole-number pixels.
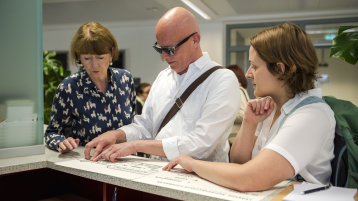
[{"x": 306, "y": 101}]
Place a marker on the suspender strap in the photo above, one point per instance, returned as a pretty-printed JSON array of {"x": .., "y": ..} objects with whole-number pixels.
[
  {"x": 306, "y": 101},
  {"x": 180, "y": 101}
]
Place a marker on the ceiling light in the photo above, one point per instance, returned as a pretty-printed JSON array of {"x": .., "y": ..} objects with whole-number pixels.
[{"x": 196, "y": 9}]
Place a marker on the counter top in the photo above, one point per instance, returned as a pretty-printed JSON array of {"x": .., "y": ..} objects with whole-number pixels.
[
  {"x": 52, "y": 158},
  {"x": 19, "y": 164}
]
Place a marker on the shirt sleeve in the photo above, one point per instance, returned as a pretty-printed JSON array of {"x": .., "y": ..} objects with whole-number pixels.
[
  {"x": 60, "y": 117},
  {"x": 303, "y": 135},
  {"x": 217, "y": 115},
  {"x": 142, "y": 126}
]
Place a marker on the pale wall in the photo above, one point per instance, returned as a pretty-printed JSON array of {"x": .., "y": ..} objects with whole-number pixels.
[
  {"x": 343, "y": 79},
  {"x": 142, "y": 61},
  {"x": 137, "y": 40}
]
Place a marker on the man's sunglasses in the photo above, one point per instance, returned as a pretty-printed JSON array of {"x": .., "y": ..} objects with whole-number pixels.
[{"x": 170, "y": 50}]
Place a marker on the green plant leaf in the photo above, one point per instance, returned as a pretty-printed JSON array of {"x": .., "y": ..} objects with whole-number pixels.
[
  {"x": 54, "y": 73},
  {"x": 344, "y": 28},
  {"x": 345, "y": 45}
]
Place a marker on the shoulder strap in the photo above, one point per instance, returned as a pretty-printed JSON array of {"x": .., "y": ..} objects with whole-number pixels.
[
  {"x": 245, "y": 93},
  {"x": 180, "y": 101},
  {"x": 306, "y": 101}
]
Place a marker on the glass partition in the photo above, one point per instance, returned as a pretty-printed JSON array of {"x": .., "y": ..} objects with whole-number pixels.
[{"x": 21, "y": 88}]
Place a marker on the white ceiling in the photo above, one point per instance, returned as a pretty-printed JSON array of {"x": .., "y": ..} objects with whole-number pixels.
[{"x": 60, "y": 12}]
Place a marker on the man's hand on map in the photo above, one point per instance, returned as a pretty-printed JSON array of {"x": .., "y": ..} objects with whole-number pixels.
[
  {"x": 116, "y": 151},
  {"x": 102, "y": 142}
]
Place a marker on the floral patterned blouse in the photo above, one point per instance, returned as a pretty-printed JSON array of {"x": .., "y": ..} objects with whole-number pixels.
[{"x": 82, "y": 109}]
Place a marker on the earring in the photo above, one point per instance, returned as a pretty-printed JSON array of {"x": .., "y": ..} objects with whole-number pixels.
[{"x": 111, "y": 63}]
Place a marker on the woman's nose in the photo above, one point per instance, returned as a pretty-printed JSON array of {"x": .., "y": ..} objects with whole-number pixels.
[
  {"x": 248, "y": 73},
  {"x": 94, "y": 62}
]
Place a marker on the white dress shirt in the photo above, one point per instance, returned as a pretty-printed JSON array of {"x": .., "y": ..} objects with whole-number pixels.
[
  {"x": 305, "y": 138},
  {"x": 202, "y": 126}
]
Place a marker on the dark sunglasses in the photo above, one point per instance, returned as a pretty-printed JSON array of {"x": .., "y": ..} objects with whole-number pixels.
[{"x": 170, "y": 50}]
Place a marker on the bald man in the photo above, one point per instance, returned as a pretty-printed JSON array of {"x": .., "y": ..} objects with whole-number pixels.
[{"x": 202, "y": 126}]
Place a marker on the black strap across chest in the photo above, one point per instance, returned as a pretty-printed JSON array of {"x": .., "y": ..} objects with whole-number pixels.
[{"x": 180, "y": 101}]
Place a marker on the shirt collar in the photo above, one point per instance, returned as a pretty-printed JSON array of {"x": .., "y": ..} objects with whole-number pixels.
[
  {"x": 290, "y": 104},
  {"x": 87, "y": 81},
  {"x": 139, "y": 99},
  {"x": 201, "y": 62},
  {"x": 196, "y": 66},
  {"x": 111, "y": 77}
]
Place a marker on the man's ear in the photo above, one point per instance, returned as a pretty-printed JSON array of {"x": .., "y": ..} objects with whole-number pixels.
[
  {"x": 196, "y": 38},
  {"x": 281, "y": 66}
]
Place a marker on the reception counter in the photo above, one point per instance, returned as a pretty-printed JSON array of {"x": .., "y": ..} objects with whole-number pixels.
[{"x": 41, "y": 177}]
